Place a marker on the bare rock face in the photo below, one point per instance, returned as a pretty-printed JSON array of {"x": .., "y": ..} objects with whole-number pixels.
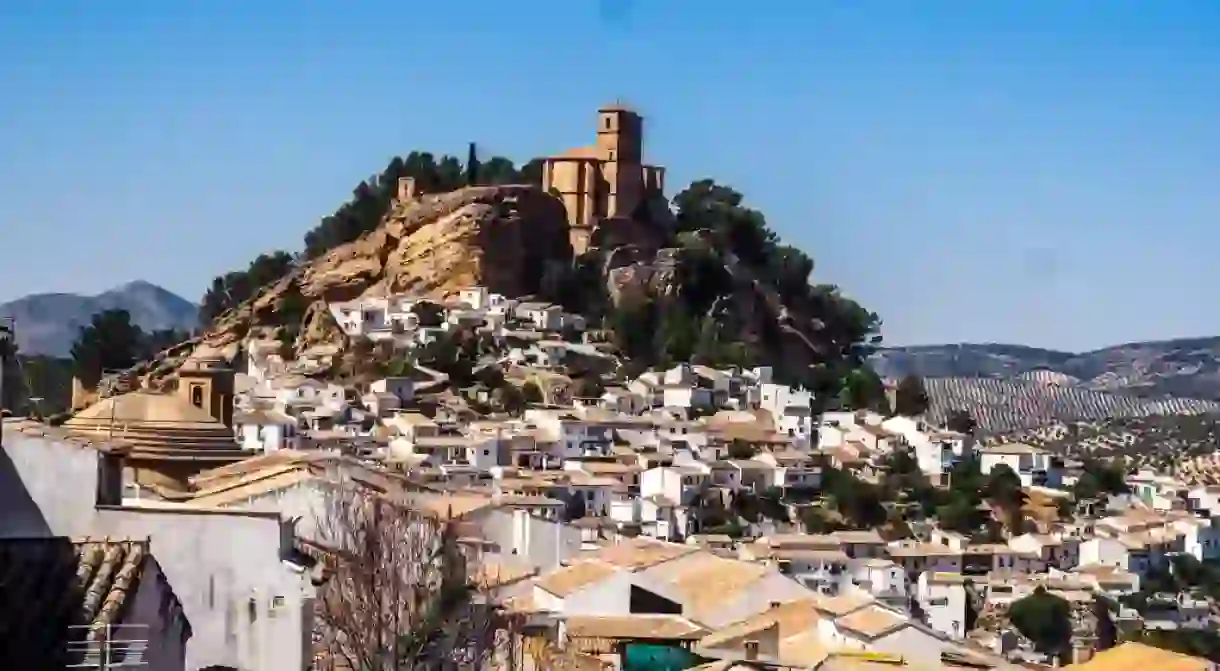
[
  {"x": 497, "y": 237},
  {"x": 501, "y": 237}
]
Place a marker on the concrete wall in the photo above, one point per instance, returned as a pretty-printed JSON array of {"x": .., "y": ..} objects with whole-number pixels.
[
  {"x": 541, "y": 543},
  {"x": 246, "y": 607}
]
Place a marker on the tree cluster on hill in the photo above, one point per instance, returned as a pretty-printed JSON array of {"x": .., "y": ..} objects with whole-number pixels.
[
  {"x": 1045, "y": 619},
  {"x": 110, "y": 342},
  {"x": 726, "y": 247},
  {"x": 910, "y": 398},
  {"x": 370, "y": 202}
]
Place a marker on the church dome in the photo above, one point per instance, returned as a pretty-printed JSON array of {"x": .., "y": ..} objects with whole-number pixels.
[{"x": 149, "y": 420}]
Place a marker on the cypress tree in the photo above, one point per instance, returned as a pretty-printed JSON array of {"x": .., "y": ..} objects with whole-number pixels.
[{"x": 472, "y": 167}]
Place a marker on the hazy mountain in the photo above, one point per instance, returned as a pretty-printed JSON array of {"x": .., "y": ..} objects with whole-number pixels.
[
  {"x": 48, "y": 323},
  {"x": 1188, "y": 367}
]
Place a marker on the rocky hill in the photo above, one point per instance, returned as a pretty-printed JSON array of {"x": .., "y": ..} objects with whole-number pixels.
[
  {"x": 638, "y": 276},
  {"x": 48, "y": 323},
  {"x": 1186, "y": 367}
]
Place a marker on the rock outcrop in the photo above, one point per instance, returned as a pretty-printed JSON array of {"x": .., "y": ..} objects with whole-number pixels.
[{"x": 502, "y": 237}]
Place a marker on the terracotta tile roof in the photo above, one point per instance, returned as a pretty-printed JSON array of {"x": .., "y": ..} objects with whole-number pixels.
[
  {"x": 571, "y": 579},
  {"x": 842, "y": 604},
  {"x": 215, "y": 477},
  {"x": 642, "y": 553},
  {"x": 872, "y": 622},
  {"x": 790, "y": 619},
  {"x": 49, "y": 584},
  {"x": 243, "y": 489},
  {"x": 667, "y": 627},
  {"x": 1136, "y": 656},
  {"x": 705, "y": 583}
]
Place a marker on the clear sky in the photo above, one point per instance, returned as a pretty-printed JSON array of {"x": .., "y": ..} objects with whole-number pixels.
[{"x": 1044, "y": 172}]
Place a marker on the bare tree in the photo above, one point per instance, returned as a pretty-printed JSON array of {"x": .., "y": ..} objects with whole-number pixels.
[{"x": 401, "y": 593}]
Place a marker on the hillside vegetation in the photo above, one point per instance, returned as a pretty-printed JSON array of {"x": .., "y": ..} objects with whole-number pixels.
[{"x": 999, "y": 405}]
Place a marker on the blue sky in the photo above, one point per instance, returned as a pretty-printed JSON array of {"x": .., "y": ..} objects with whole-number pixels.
[{"x": 1036, "y": 171}]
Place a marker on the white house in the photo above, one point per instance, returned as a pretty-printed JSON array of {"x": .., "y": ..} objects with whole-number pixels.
[
  {"x": 679, "y": 485},
  {"x": 548, "y": 353},
  {"x": 790, "y": 409},
  {"x": 942, "y": 596},
  {"x": 573, "y": 437},
  {"x": 542, "y": 316},
  {"x": 266, "y": 431},
  {"x": 1034, "y": 466},
  {"x": 402, "y": 388},
  {"x": 1061, "y": 552},
  {"x": 882, "y": 578},
  {"x": 685, "y": 396}
]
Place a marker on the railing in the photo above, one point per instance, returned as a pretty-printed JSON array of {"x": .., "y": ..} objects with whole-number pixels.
[{"x": 120, "y": 646}]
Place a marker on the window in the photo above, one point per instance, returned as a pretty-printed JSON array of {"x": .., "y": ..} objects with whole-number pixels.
[
  {"x": 197, "y": 396},
  {"x": 943, "y": 601}
]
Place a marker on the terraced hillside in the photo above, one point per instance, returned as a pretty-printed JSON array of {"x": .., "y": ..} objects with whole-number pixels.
[
  {"x": 1002, "y": 405},
  {"x": 1185, "y": 444},
  {"x": 1186, "y": 367}
]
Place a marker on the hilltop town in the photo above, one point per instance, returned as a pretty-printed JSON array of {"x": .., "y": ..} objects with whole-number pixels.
[{"x": 578, "y": 425}]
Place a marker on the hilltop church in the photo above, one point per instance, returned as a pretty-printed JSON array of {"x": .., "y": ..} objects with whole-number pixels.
[{"x": 606, "y": 179}]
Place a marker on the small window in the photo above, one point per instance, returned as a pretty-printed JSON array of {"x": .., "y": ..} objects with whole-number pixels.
[
  {"x": 607, "y": 122},
  {"x": 197, "y": 396}
]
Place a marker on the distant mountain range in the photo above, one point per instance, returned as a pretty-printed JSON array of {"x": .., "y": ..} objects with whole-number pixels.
[
  {"x": 48, "y": 323},
  {"x": 1012, "y": 386}
]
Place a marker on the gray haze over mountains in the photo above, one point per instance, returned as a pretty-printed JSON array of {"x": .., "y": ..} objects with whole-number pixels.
[{"x": 48, "y": 323}]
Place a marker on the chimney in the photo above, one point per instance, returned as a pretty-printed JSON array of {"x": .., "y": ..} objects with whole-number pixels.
[
  {"x": 776, "y": 604},
  {"x": 751, "y": 650}
]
